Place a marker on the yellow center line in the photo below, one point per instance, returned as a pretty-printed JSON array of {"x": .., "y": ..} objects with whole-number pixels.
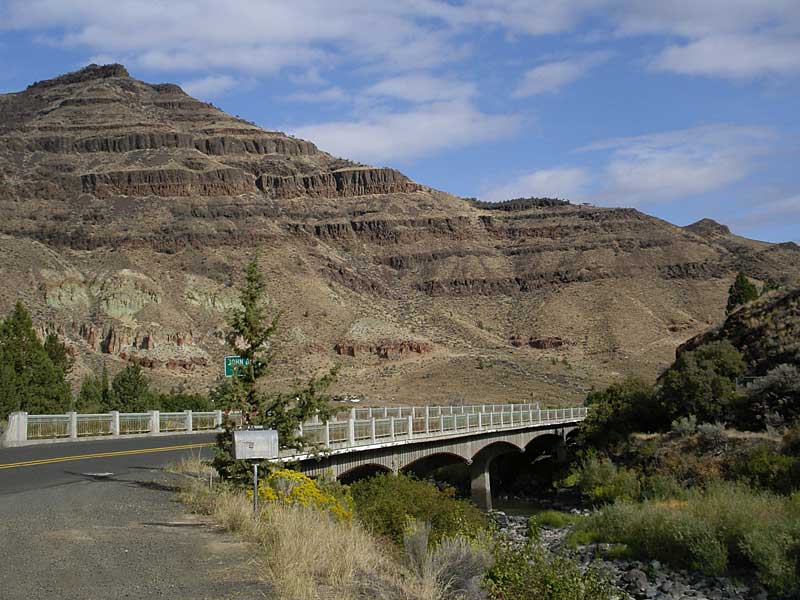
[{"x": 58, "y": 459}]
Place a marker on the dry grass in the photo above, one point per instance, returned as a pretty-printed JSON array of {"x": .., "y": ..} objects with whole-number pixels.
[
  {"x": 194, "y": 465},
  {"x": 309, "y": 555}
]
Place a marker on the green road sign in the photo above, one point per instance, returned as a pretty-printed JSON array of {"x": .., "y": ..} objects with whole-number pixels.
[{"x": 231, "y": 362}]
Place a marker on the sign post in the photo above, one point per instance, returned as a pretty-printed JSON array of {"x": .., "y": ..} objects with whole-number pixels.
[
  {"x": 255, "y": 488},
  {"x": 255, "y": 445}
]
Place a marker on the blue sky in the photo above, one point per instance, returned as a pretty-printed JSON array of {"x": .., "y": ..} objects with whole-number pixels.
[{"x": 684, "y": 109}]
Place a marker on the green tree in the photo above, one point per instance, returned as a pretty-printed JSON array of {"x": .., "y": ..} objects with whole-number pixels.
[
  {"x": 59, "y": 353},
  {"x": 130, "y": 391},
  {"x": 29, "y": 380},
  {"x": 621, "y": 409},
  {"x": 741, "y": 292},
  {"x": 251, "y": 331},
  {"x": 702, "y": 383},
  {"x": 90, "y": 396}
]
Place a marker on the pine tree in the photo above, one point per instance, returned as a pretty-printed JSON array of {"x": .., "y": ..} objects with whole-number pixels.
[
  {"x": 59, "y": 353},
  {"x": 90, "y": 396},
  {"x": 250, "y": 335},
  {"x": 741, "y": 292},
  {"x": 130, "y": 391},
  {"x": 29, "y": 381}
]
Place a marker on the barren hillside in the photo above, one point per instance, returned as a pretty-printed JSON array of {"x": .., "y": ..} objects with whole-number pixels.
[{"x": 128, "y": 209}]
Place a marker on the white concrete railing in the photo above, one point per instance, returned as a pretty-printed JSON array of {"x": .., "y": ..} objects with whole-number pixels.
[
  {"x": 359, "y": 427},
  {"x": 25, "y": 429},
  {"x": 426, "y": 422}
]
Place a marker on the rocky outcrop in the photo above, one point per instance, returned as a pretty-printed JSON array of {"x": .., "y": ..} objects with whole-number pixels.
[
  {"x": 222, "y": 145},
  {"x": 540, "y": 343},
  {"x": 344, "y": 182},
  {"x": 167, "y": 182},
  {"x": 388, "y": 349},
  {"x": 509, "y": 285}
]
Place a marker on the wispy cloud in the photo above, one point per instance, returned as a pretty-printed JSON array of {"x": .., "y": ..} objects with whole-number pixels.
[
  {"x": 421, "y": 87},
  {"x": 732, "y": 56},
  {"x": 570, "y": 183},
  {"x": 209, "y": 87},
  {"x": 677, "y": 164},
  {"x": 553, "y": 76},
  {"x": 329, "y": 95},
  {"x": 380, "y": 136}
]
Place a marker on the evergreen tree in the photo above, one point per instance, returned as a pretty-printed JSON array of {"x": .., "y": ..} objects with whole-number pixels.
[
  {"x": 29, "y": 381},
  {"x": 59, "y": 353},
  {"x": 741, "y": 292},
  {"x": 250, "y": 335},
  {"x": 130, "y": 391},
  {"x": 105, "y": 390},
  {"x": 90, "y": 396}
]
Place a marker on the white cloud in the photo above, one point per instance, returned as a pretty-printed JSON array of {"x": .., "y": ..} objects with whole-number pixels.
[
  {"x": 329, "y": 96},
  {"x": 246, "y": 35},
  {"x": 780, "y": 212},
  {"x": 422, "y": 88},
  {"x": 733, "y": 56},
  {"x": 676, "y": 164},
  {"x": 209, "y": 87},
  {"x": 552, "y": 76},
  {"x": 570, "y": 183},
  {"x": 380, "y": 137}
]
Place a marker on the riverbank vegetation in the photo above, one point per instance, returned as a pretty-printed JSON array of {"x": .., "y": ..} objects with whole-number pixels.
[{"x": 395, "y": 544}]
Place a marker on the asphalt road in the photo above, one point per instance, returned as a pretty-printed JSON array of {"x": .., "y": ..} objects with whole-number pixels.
[
  {"x": 101, "y": 521},
  {"x": 49, "y": 465}
]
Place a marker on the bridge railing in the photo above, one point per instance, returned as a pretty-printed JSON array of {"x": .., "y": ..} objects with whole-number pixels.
[
  {"x": 23, "y": 428},
  {"x": 376, "y": 426},
  {"x": 356, "y": 427}
]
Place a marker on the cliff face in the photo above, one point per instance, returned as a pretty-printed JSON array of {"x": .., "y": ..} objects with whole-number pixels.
[{"x": 127, "y": 211}]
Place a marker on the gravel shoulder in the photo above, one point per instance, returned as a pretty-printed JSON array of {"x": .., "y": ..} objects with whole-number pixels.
[{"x": 118, "y": 536}]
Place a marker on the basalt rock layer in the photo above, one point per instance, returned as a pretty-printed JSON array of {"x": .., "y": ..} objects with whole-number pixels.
[{"x": 127, "y": 211}]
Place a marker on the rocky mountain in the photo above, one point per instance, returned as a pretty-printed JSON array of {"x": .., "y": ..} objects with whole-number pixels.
[
  {"x": 128, "y": 209},
  {"x": 766, "y": 332}
]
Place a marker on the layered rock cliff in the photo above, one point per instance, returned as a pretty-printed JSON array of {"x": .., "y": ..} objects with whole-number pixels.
[{"x": 128, "y": 209}]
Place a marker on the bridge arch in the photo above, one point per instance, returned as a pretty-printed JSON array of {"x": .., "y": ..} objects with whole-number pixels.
[
  {"x": 480, "y": 470},
  {"x": 363, "y": 471}
]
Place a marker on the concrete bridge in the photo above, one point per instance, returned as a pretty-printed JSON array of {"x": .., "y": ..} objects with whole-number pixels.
[
  {"x": 354, "y": 444},
  {"x": 372, "y": 440}
]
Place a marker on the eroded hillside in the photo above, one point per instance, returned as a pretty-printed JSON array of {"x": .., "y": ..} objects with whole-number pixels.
[{"x": 127, "y": 211}]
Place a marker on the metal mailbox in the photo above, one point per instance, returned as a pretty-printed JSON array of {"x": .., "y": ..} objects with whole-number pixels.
[{"x": 252, "y": 444}]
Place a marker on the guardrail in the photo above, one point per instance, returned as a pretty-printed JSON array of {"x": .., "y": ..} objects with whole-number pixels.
[
  {"x": 354, "y": 428},
  {"x": 24, "y": 428},
  {"x": 426, "y": 422}
]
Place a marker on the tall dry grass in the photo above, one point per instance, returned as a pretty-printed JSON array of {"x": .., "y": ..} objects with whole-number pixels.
[{"x": 309, "y": 555}]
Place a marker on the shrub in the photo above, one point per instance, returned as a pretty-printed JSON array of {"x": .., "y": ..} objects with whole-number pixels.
[
  {"x": 660, "y": 486},
  {"x": 522, "y": 574},
  {"x": 763, "y": 467},
  {"x": 601, "y": 481},
  {"x": 791, "y": 441},
  {"x": 451, "y": 569},
  {"x": 702, "y": 382},
  {"x": 387, "y": 503},
  {"x": 773, "y": 400},
  {"x": 727, "y": 526},
  {"x": 620, "y": 410},
  {"x": 711, "y": 435},
  {"x": 289, "y": 487},
  {"x": 685, "y": 426}
]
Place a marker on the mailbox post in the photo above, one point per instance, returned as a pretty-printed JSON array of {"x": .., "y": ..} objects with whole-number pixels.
[{"x": 255, "y": 445}]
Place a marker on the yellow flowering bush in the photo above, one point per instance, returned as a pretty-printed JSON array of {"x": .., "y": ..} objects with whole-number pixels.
[{"x": 294, "y": 488}]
